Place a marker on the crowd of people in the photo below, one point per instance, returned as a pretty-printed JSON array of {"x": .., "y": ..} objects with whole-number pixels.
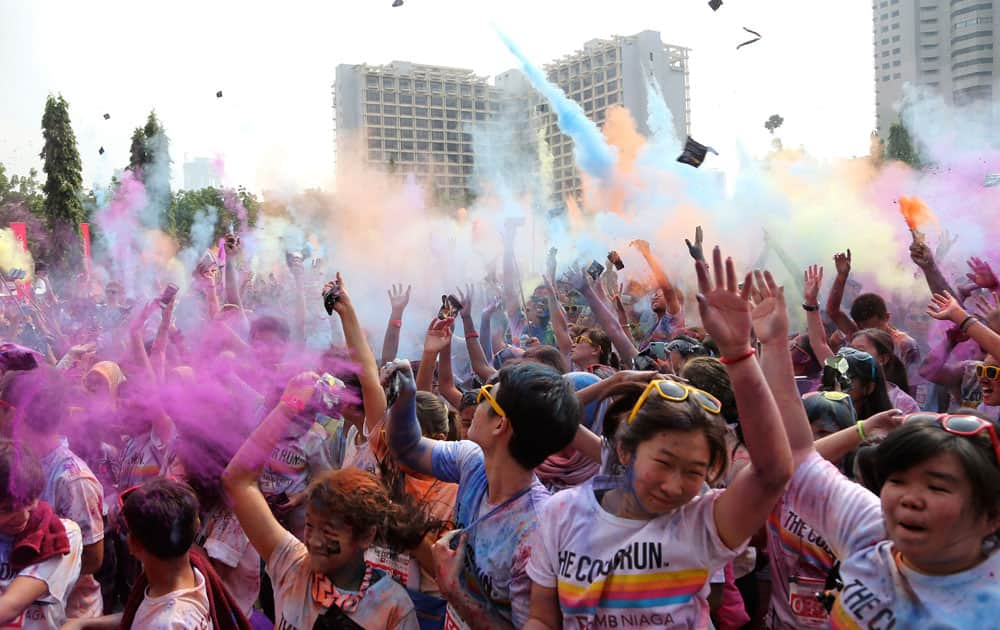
[{"x": 196, "y": 459}]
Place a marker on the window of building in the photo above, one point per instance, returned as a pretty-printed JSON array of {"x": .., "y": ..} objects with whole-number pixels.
[
  {"x": 895, "y": 51},
  {"x": 451, "y": 88},
  {"x": 588, "y": 94},
  {"x": 437, "y": 135},
  {"x": 480, "y": 90},
  {"x": 895, "y": 38},
  {"x": 421, "y": 112},
  {"x": 467, "y": 103},
  {"x": 422, "y": 123},
  {"x": 480, "y": 116},
  {"x": 437, "y": 101},
  {"x": 896, "y": 63},
  {"x": 885, "y": 77},
  {"x": 405, "y": 99},
  {"x": 885, "y": 41},
  {"x": 375, "y": 132},
  {"x": 885, "y": 53},
  {"x": 884, "y": 16},
  {"x": 405, "y": 122},
  {"x": 466, "y": 115},
  {"x": 406, "y": 146},
  {"x": 420, "y": 85},
  {"x": 405, "y": 111},
  {"x": 374, "y": 143},
  {"x": 391, "y": 144},
  {"x": 423, "y": 146},
  {"x": 466, "y": 90},
  {"x": 373, "y": 120},
  {"x": 885, "y": 66},
  {"x": 437, "y": 124},
  {"x": 451, "y": 102},
  {"x": 438, "y": 146},
  {"x": 481, "y": 106},
  {"x": 612, "y": 73},
  {"x": 436, "y": 87},
  {"x": 389, "y": 121},
  {"x": 404, "y": 84},
  {"x": 390, "y": 132},
  {"x": 451, "y": 114},
  {"x": 388, "y": 109},
  {"x": 371, "y": 95},
  {"x": 451, "y": 124},
  {"x": 895, "y": 14},
  {"x": 372, "y": 108},
  {"x": 423, "y": 135},
  {"x": 388, "y": 83}
]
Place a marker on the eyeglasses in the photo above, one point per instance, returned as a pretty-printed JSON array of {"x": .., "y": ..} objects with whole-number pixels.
[
  {"x": 989, "y": 372},
  {"x": 571, "y": 308},
  {"x": 484, "y": 392},
  {"x": 676, "y": 392},
  {"x": 964, "y": 425}
]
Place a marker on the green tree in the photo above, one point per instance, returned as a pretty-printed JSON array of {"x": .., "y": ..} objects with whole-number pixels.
[
  {"x": 900, "y": 146},
  {"x": 137, "y": 152},
  {"x": 186, "y": 204},
  {"x": 63, "y": 182}
]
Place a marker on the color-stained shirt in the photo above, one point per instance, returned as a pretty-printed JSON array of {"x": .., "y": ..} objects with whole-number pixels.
[
  {"x": 613, "y": 572},
  {"x": 184, "y": 609},
  {"x": 74, "y": 493},
  {"x": 880, "y": 592},
  {"x": 800, "y": 562},
  {"x": 224, "y": 540},
  {"x": 384, "y": 605},
  {"x": 59, "y": 574},
  {"x": 498, "y": 547}
]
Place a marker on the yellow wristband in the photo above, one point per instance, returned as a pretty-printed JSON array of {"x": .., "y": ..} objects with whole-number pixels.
[{"x": 861, "y": 430}]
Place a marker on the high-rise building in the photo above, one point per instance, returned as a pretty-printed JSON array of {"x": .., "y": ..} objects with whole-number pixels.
[
  {"x": 200, "y": 172},
  {"x": 948, "y": 46},
  {"x": 411, "y": 118},
  {"x": 616, "y": 71}
]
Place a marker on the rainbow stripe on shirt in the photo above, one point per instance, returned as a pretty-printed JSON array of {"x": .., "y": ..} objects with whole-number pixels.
[{"x": 644, "y": 590}]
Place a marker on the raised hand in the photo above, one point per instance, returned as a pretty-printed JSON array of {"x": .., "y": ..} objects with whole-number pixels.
[
  {"x": 697, "y": 251},
  {"x": 403, "y": 372},
  {"x": 343, "y": 303},
  {"x": 813, "y": 280},
  {"x": 884, "y": 421},
  {"x": 989, "y": 311},
  {"x": 466, "y": 297},
  {"x": 921, "y": 255},
  {"x": 438, "y": 335},
  {"x": 399, "y": 299},
  {"x": 842, "y": 261},
  {"x": 641, "y": 245},
  {"x": 725, "y": 313},
  {"x": 769, "y": 314},
  {"x": 448, "y": 562},
  {"x": 981, "y": 274},
  {"x": 945, "y": 307},
  {"x": 576, "y": 277},
  {"x": 945, "y": 243}
]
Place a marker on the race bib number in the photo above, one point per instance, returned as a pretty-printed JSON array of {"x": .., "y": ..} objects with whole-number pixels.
[{"x": 808, "y": 611}]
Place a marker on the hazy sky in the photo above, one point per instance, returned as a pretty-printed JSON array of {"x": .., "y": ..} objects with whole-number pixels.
[{"x": 275, "y": 62}]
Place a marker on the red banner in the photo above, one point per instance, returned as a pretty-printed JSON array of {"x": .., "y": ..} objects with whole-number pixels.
[{"x": 20, "y": 231}]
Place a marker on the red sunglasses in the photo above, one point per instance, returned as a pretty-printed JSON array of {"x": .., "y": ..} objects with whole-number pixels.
[{"x": 959, "y": 424}]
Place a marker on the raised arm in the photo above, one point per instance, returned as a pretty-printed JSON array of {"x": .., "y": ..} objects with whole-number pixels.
[
  {"x": 921, "y": 255},
  {"x": 406, "y": 441},
  {"x": 605, "y": 318},
  {"x": 743, "y": 507},
  {"x": 234, "y": 288},
  {"x": 659, "y": 275},
  {"x": 239, "y": 480},
  {"x": 813, "y": 279},
  {"x": 437, "y": 341},
  {"x": 298, "y": 271},
  {"x": 446, "y": 378},
  {"x": 398, "y": 300},
  {"x": 474, "y": 341},
  {"x": 836, "y": 446},
  {"x": 137, "y": 339},
  {"x": 371, "y": 386},
  {"x": 946, "y": 307},
  {"x": 935, "y": 366},
  {"x": 511, "y": 279},
  {"x": 159, "y": 349},
  {"x": 560, "y": 327},
  {"x": 840, "y": 319}
]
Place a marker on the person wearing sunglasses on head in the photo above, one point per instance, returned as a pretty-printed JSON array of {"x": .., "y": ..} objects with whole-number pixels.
[
  {"x": 988, "y": 375},
  {"x": 918, "y": 554},
  {"x": 637, "y": 550},
  {"x": 527, "y": 413}
]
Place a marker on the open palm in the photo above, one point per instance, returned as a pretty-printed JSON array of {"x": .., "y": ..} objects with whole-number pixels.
[
  {"x": 769, "y": 314},
  {"x": 725, "y": 313}
]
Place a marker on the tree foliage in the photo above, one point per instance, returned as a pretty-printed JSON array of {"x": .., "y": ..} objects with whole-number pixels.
[
  {"x": 186, "y": 205},
  {"x": 61, "y": 162},
  {"x": 773, "y": 123},
  {"x": 900, "y": 146}
]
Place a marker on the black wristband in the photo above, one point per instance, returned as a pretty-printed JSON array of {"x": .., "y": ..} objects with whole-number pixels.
[
  {"x": 812, "y": 308},
  {"x": 968, "y": 321}
]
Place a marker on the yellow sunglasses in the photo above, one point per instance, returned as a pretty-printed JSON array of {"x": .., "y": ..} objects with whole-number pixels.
[
  {"x": 677, "y": 392},
  {"x": 584, "y": 339},
  {"x": 484, "y": 392}
]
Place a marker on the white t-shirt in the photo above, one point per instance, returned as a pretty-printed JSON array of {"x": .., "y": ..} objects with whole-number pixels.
[
  {"x": 800, "y": 562},
  {"x": 186, "y": 609},
  {"x": 59, "y": 574},
  {"x": 294, "y": 460},
  {"x": 385, "y": 604},
  {"x": 74, "y": 493},
  {"x": 878, "y": 592},
  {"x": 225, "y": 541},
  {"x": 145, "y": 457},
  {"x": 613, "y": 572}
]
